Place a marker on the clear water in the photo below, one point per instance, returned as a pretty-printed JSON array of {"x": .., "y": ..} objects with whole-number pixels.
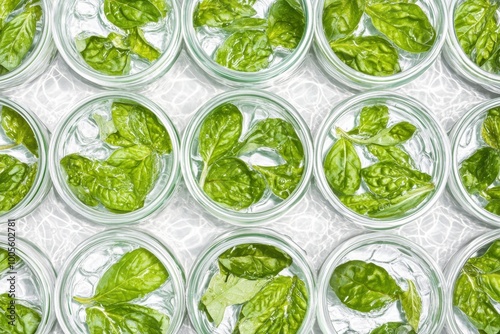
[
  {"x": 84, "y": 138},
  {"x": 402, "y": 267},
  {"x": 87, "y": 18}
]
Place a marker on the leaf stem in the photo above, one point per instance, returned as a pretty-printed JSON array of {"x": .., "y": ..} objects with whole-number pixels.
[
  {"x": 204, "y": 174},
  {"x": 6, "y": 147},
  {"x": 347, "y": 136},
  {"x": 83, "y": 300}
]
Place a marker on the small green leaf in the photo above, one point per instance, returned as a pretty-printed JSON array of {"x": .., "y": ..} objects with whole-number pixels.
[
  {"x": 492, "y": 193},
  {"x": 246, "y": 23},
  {"x": 490, "y": 130},
  {"x": 7, "y": 7},
  {"x": 488, "y": 42},
  {"x": 217, "y": 13},
  {"x": 161, "y": 5},
  {"x": 282, "y": 179},
  {"x": 245, "y": 51},
  {"x": 341, "y": 17},
  {"x": 141, "y": 47},
  {"x": 27, "y": 319},
  {"x": 136, "y": 274},
  {"x": 254, "y": 261},
  {"x": 403, "y": 203},
  {"x": 18, "y": 129},
  {"x": 396, "y": 134},
  {"x": 342, "y": 167},
  {"x": 392, "y": 154},
  {"x": 372, "y": 120},
  {"x": 286, "y": 25},
  {"x": 16, "y": 180},
  {"x": 493, "y": 206},
  {"x": 480, "y": 170},
  {"x": 412, "y": 305},
  {"x": 393, "y": 328},
  {"x": 128, "y": 14}
]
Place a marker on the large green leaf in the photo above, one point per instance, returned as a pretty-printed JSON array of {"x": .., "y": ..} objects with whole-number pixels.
[
  {"x": 286, "y": 25},
  {"x": 342, "y": 167},
  {"x": 342, "y": 17},
  {"x": 128, "y": 14}
]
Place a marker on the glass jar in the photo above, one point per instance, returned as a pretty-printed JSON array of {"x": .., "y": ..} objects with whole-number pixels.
[
  {"x": 412, "y": 65},
  {"x": 465, "y": 138},
  {"x": 40, "y": 55},
  {"x": 78, "y": 131},
  {"x": 206, "y": 266},
  {"x": 88, "y": 262},
  {"x": 431, "y": 156},
  {"x": 72, "y": 17},
  {"x": 34, "y": 276},
  {"x": 269, "y": 77},
  {"x": 403, "y": 260},
  {"x": 456, "y": 321},
  {"x": 460, "y": 62},
  {"x": 255, "y": 105},
  {"x": 42, "y": 183}
]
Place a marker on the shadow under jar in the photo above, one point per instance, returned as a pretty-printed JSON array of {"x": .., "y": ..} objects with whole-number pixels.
[
  {"x": 114, "y": 159},
  {"x": 381, "y": 159},
  {"x": 472, "y": 275},
  {"x": 246, "y": 157},
  {"x": 241, "y": 44},
  {"x": 116, "y": 45},
  {"x": 251, "y": 281},
  {"x": 31, "y": 290},
  {"x": 24, "y": 171},
  {"x": 121, "y": 281},
  {"x": 378, "y": 44},
  {"x": 380, "y": 283},
  {"x": 475, "y": 162}
]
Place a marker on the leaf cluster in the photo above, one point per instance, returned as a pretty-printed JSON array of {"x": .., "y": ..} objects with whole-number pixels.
[
  {"x": 367, "y": 287},
  {"x": 232, "y": 182},
  {"x": 251, "y": 40},
  {"x": 112, "y": 309},
  {"x": 250, "y": 276},
  {"x": 394, "y": 185},
  {"x": 402, "y": 24},
  {"x": 122, "y": 182}
]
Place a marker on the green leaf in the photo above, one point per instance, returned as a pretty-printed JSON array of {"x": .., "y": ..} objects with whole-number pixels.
[
  {"x": 219, "y": 132},
  {"x": 480, "y": 170},
  {"x": 136, "y": 274},
  {"x": 396, "y": 134},
  {"x": 129, "y": 158},
  {"x": 342, "y": 168},
  {"x": 217, "y": 13},
  {"x": 392, "y": 154},
  {"x": 245, "y": 51},
  {"x": 126, "y": 318},
  {"x": 490, "y": 283},
  {"x": 403, "y": 203},
  {"x": 16, "y": 180},
  {"x": 282, "y": 179},
  {"x": 280, "y": 307},
  {"x": 286, "y": 25},
  {"x": 7, "y": 7},
  {"x": 27, "y": 319},
  {"x": 246, "y": 23},
  {"x": 488, "y": 42},
  {"x": 4, "y": 260},
  {"x": 364, "y": 286},
  {"x": 161, "y": 5},
  {"x": 372, "y": 55},
  {"x": 411, "y": 303},
  {"x": 489, "y": 262},
  {"x": 492, "y": 193},
  {"x": 227, "y": 290},
  {"x": 18, "y": 129},
  {"x": 393, "y": 328},
  {"x": 405, "y": 24},
  {"x": 17, "y": 36},
  {"x": 231, "y": 183},
  {"x": 490, "y": 130},
  {"x": 254, "y": 261},
  {"x": 372, "y": 120},
  {"x": 493, "y": 206},
  {"x": 128, "y": 14},
  {"x": 365, "y": 203},
  {"x": 342, "y": 17},
  {"x": 141, "y": 47}
]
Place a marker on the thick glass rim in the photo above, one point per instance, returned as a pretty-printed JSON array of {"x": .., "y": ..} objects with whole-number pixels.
[
  {"x": 289, "y": 113},
  {"x": 130, "y": 81},
  {"x": 385, "y": 238},
  {"x": 241, "y": 236},
  {"x": 419, "y": 111},
  {"x": 260, "y": 79},
  {"x": 132, "y": 235},
  {"x": 110, "y": 218}
]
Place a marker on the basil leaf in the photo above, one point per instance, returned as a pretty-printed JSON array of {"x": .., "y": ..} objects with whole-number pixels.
[
  {"x": 227, "y": 290},
  {"x": 342, "y": 17},
  {"x": 12, "y": 173},
  {"x": 480, "y": 169},
  {"x": 364, "y": 286},
  {"x": 254, "y": 261},
  {"x": 4, "y": 260},
  {"x": 217, "y": 13},
  {"x": 393, "y": 328},
  {"x": 487, "y": 43},
  {"x": 342, "y": 168},
  {"x": 282, "y": 179},
  {"x": 391, "y": 154},
  {"x": 27, "y": 319},
  {"x": 246, "y": 23},
  {"x": 396, "y": 134},
  {"x": 219, "y": 132},
  {"x": 129, "y": 158},
  {"x": 490, "y": 283},
  {"x": 372, "y": 120},
  {"x": 141, "y": 47},
  {"x": 403, "y": 203},
  {"x": 18, "y": 129},
  {"x": 493, "y": 206},
  {"x": 136, "y": 274},
  {"x": 17, "y": 36},
  {"x": 230, "y": 182},
  {"x": 412, "y": 305},
  {"x": 405, "y": 24},
  {"x": 128, "y": 14},
  {"x": 161, "y": 5},
  {"x": 11, "y": 195},
  {"x": 279, "y": 307},
  {"x": 126, "y": 318},
  {"x": 365, "y": 203},
  {"x": 492, "y": 193},
  {"x": 489, "y": 262},
  {"x": 7, "y": 7},
  {"x": 490, "y": 130},
  {"x": 286, "y": 25},
  {"x": 372, "y": 55}
]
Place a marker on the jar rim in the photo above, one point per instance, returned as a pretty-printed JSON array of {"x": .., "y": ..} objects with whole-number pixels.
[
  {"x": 418, "y": 110},
  {"x": 103, "y": 217},
  {"x": 289, "y": 113},
  {"x": 131, "y": 81}
]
